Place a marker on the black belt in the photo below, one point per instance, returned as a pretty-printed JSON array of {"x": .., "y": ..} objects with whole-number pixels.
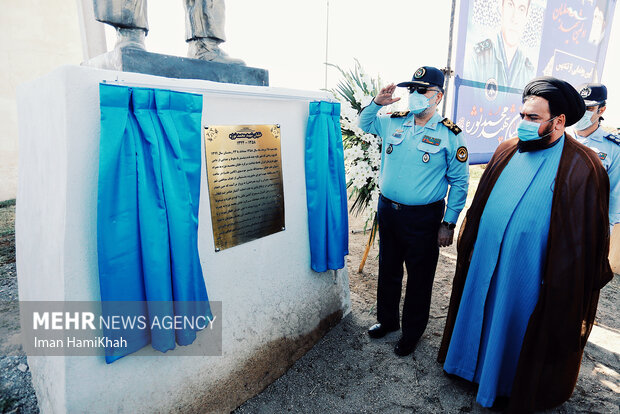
[{"x": 399, "y": 206}]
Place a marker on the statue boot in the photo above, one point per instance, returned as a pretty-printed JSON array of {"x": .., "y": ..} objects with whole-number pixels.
[
  {"x": 130, "y": 37},
  {"x": 206, "y": 49}
]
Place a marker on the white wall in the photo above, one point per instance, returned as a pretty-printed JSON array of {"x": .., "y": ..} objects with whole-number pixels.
[
  {"x": 35, "y": 37},
  {"x": 274, "y": 306}
]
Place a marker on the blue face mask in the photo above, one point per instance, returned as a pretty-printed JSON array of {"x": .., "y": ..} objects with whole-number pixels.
[
  {"x": 528, "y": 130},
  {"x": 585, "y": 122},
  {"x": 418, "y": 103}
]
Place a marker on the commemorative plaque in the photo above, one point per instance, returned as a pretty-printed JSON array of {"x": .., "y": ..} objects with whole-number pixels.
[{"x": 244, "y": 170}]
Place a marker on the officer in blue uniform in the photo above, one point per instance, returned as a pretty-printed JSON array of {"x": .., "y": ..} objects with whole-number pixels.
[
  {"x": 607, "y": 145},
  {"x": 422, "y": 154}
]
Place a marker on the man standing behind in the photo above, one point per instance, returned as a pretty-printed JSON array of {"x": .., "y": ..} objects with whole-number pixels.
[
  {"x": 605, "y": 144},
  {"x": 422, "y": 154},
  {"x": 501, "y": 57},
  {"x": 532, "y": 257}
]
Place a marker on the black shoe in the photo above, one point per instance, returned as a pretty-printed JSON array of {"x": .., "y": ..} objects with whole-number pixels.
[
  {"x": 405, "y": 346},
  {"x": 379, "y": 331}
]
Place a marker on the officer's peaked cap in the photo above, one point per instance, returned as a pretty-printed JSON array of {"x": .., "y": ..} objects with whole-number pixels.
[
  {"x": 593, "y": 94},
  {"x": 425, "y": 76}
]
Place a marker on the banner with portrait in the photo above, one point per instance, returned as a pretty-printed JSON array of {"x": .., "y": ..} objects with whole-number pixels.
[{"x": 503, "y": 44}]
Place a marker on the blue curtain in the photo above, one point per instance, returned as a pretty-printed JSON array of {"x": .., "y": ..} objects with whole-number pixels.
[
  {"x": 328, "y": 221},
  {"x": 147, "y": 213}
]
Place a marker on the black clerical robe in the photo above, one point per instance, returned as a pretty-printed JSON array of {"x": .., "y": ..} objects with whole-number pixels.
[{"x": 576, "y": 268}]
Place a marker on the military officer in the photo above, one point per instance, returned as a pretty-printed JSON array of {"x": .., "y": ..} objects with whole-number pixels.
[
  {"x": 500, "y": 58},
  {"x": 589, "y": 132},
  {"x": 422, "y": 155}
]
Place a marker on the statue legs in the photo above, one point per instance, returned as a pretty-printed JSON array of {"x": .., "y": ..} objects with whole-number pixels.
[
  {"x": 204, "y": 26},
  {"x": 128, "y": 18},
  {"x": 204, "y": 30}
]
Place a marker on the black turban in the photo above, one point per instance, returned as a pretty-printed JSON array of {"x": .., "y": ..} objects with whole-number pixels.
[{"x": 562, "y": 97}]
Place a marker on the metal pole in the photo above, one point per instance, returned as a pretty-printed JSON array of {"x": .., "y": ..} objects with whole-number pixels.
[
  {"x": 449, "y": 68},
  {"x": 326, "y": 42}
]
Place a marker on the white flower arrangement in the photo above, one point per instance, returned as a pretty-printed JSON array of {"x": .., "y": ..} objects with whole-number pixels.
[{"x": 362, "y": 151}]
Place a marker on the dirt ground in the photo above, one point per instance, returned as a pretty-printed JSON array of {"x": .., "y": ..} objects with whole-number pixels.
[{"x": 347, "y": 372}]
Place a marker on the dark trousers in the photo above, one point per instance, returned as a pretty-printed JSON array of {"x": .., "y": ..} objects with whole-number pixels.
[{"x": 407, "y": 234}]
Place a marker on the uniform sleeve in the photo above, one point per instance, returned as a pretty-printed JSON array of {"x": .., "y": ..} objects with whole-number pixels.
[
  {"x": 458, "y": 178},
  {"x": 370, "y": 122},
  {"x": 614, "y": 186}
]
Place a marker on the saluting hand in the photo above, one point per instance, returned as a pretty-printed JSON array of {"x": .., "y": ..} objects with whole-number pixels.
[
  {"x": 384, "y": 97},
  {"x": 445, "y": 236}
]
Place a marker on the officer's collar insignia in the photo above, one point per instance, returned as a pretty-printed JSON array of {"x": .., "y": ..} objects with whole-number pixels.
[
  {"x": 585, "y": 92},
  {"x": 419, "y": 73},
  {"x": 483, "y": 46},
  {"x": 389, "y": 149},
  {"x": 613, "y": 138},
  {"x": 431, "y": 140},
  {"x": 426, "y": 157},
  {"x": 461, "y": 154},
  {"x": 602, "y": 156},
  {"x": 399, "y": 114},
  {"x": 451, "y": 126}
]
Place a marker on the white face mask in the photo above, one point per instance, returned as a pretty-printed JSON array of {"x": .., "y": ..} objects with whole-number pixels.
[
  {"x": 585, "y": 122},
  {"x": 418, "y": 103}
]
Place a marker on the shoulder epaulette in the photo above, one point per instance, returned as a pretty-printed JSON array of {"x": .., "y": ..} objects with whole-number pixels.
[
  {"x": 451, "y": 126},
  {"x": 613, "y": 138},
  {"x": 399, "y": 114},
  {"x": 483, "y": 46}
]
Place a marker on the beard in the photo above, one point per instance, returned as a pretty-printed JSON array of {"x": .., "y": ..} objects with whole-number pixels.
[
  {"x": 539, "y": 144},
  {"x": 546, "y": 135},
  {"x": 425, "y": 112}
]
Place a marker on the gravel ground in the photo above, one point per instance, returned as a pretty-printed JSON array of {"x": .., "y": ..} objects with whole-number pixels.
[
  {"x": 347, "y": 372},
  {"x": 16, "y": 392}
]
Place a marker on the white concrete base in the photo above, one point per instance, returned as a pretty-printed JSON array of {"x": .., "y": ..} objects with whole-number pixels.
[{"x": 274, "y": 306}]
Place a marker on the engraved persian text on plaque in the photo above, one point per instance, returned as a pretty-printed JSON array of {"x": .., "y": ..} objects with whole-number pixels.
[{"x": 244, "y": 170}]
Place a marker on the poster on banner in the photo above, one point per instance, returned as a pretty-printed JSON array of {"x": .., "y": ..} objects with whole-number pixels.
[{"x": 503, "y": 44}]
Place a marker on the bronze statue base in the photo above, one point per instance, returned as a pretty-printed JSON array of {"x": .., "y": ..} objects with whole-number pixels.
[{"x": 130, "y": 59}]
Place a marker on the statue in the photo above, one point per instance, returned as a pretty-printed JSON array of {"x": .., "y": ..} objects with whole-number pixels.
[{"x": 204, "y": 26}]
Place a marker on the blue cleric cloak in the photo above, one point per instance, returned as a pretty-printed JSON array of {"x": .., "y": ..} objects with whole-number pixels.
[
  {"x": 575, "y": 267},
  {"x": 505, "y": 273}
]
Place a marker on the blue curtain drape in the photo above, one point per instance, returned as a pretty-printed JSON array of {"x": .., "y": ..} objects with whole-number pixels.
[
  {"x": 328, "y": 221},
  {"x": 147, "y": 213}
]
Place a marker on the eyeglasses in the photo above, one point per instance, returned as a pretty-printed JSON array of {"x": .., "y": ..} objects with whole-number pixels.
[{"x": 420, "y": 89}]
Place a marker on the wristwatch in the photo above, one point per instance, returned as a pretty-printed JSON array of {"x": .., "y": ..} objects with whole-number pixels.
[{"x": 449, "y": 226}]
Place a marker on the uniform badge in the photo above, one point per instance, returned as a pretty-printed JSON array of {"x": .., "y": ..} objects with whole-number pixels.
[
  {"x": 602, "y": 156},
  {"x": 408, "y": 124},
  {"x": 389, "y": 149},
  {"x": 613, "y": 138},
  {"x": 461, "y": 154},
  {"x": 426, "y": 157},
  {"x": 398, "y": 133},
  {"x": 451, "y": 126},
  {"x": 585, "y": 92},
  {"x": 399, "y": 114},
  {"x": 419, "y": 73},
  {"x": 430, "y": 140}
]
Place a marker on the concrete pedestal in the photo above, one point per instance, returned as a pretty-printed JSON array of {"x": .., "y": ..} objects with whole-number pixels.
[
  {"x": 141, "y": 61},
  {"x": 274, "y": 306}
]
